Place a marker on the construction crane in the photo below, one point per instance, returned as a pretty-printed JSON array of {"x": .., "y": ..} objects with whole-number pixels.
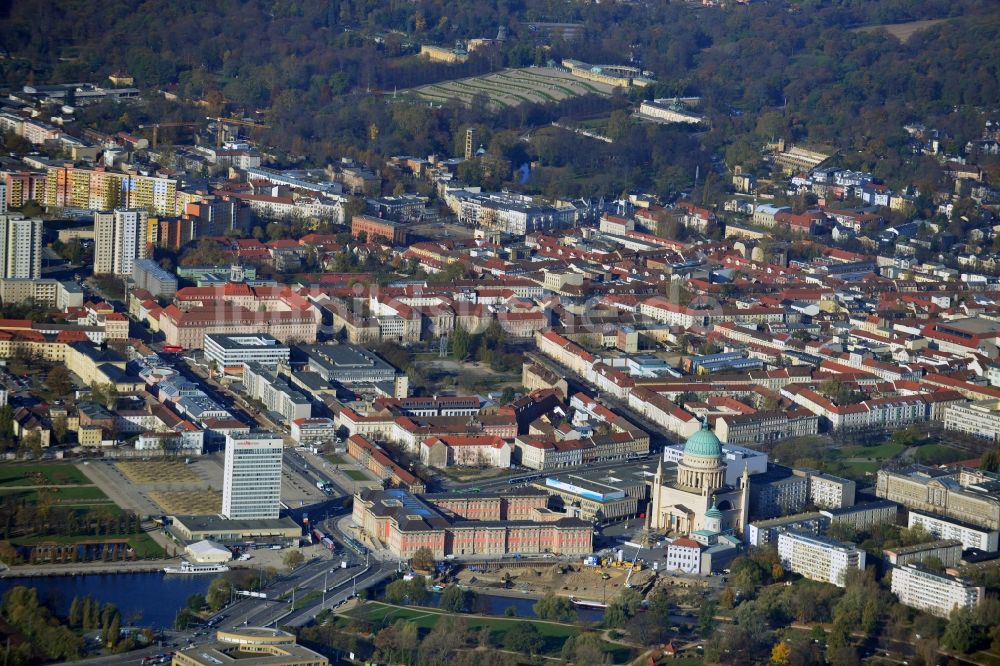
[
  {"x": 236, "y": 122},
  {"x": 631, "y": 569},
  {"x": 156, "y": 127}
]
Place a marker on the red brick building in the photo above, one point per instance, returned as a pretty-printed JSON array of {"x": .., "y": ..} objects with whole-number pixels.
[{"x": 374, "y": 227}]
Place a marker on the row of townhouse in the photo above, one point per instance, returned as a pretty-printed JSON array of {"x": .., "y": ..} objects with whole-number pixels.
[
  {"x": 409, "y": 431},
  {"x": 675, "y": 314},
  {"x": 888, "y": 411},
  {"x": 373, "y": 458},
  {"x": 663, "y": 412}
]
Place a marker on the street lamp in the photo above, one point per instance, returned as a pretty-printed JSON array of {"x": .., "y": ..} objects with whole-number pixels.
[{"x": 324, "y": 586}]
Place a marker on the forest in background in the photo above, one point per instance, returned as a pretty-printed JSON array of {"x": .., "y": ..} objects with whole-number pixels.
[{"x": 765, "y": 71}]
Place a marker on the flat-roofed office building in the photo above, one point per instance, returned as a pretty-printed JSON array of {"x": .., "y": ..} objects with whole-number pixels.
[
  {"x": 251, "y": 485},
  {"x": 233, "y": 350}
]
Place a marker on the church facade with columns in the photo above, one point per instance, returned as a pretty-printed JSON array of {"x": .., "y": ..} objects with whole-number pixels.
[{"x": 696, "y": 501}]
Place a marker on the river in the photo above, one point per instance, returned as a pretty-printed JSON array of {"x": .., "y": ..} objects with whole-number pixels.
[
  {"x": 490, "y": 604},
  {"x": 156, "y": 596}
]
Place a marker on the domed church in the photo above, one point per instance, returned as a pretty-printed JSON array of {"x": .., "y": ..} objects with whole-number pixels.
[{"x": 697, "y": 499}]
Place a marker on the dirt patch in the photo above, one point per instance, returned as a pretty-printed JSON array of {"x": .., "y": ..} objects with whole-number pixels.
[
  {"x": 188, "y": 502},
  {"x": 158, "y": 471},
  {"x": 567, "y": 579},
  {"x": 903, "y": 31}
]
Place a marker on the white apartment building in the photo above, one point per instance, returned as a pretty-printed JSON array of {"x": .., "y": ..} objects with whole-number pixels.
[
  {"x": 979, "y": 419},
  {"x": 274, "y": 391},
  {"x": 313, "y": 429},
  {"x": 971, "y": 536},
  {"x": 684, "y": 555},
  {"x": 932, "y": 592},
  {"x": 233, "y": 350},
  {"x": 20, "y": 247},
  {"x": 516, "y": 214},
  {"x": 52, "y": 293},
  {"x": 819, "y": 558},
  {"x": 827, "y": 491},
  {"x": 119, "y": 239},
  {"x": 251, "y": 486}
]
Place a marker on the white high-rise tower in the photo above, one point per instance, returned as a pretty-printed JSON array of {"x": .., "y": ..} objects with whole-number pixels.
[
  {"x": 251, "y": 486},
  {"x": 20, "y": 247},
  {"x": 119, "y": 239}
]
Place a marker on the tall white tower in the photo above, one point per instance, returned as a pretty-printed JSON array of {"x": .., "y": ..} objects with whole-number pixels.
[
  {"x": 251, "y": 486},
  {"x": 119, "y": 239},
  {"x": 20, "y": 247}
]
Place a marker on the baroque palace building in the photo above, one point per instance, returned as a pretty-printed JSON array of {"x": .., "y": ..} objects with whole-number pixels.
[{"x": 474, "y": 524}]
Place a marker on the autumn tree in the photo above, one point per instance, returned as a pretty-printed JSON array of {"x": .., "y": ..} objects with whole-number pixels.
[
  {"x": 59, "y": 381},
  {"x": 292, "y": 558},
  {"x": 422, "y": 560}
]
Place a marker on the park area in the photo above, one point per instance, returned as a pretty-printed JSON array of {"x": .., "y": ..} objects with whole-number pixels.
[
  {"x": 41, "y": 475},
  {"x": 862, "y": 461},
  {"x": 553, "y": 634},
  {"x": 57, "y": 505},
  {"x": 902, "y": 31},
  {"x": 511, "y": 87}
]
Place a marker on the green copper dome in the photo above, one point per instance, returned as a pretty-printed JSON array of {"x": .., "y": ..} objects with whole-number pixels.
[
  {"x": 704, "y": 443},
  {"x": 713, "y": 512}
]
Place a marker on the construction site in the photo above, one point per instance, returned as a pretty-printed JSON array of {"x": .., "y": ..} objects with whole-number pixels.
[{"x": 593, "y": 582}]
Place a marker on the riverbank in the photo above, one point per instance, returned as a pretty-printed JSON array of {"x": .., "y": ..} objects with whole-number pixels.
[{"x": 86, "y": 568}]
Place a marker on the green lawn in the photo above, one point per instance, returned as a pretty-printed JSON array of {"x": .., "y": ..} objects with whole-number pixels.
[
  {"x": 554, "y": 633},
  {"x": 985, "y": 657},
  {"x": 356, "y": 475},
  {"x": 474, "y": 474},
  {"x": 59, "y": 474},
  {"x": 882, "y": 451},
  {"x": 938, "y": 454},
  {"x": 857, "y": 470},
  {"x": 144, "y": 544},
  {"x": 81, "y": 496},
  {"x": 338, "y": 459},
  {"x": 306, "y": 599}
]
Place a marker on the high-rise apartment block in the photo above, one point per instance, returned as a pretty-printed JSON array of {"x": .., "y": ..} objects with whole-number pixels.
[
  {"x": 251, "y": 486},
  {"x": 819, "y": 558},
  {"x": 119, "y": 239},
  {"x": 20, "y": 247},
  {"x": 99, "y": 189},
  {"x": 933, "y": 592}
]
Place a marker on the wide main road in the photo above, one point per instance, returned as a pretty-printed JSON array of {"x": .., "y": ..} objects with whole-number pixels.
[{"x": 308, "y": 581}]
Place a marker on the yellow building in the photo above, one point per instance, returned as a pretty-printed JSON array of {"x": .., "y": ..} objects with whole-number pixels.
[
  {"x": 616, "y": 76},
  {"x": 96, "y": 366},
  {"x": 90, "y": 435},
  {"x": 441, "y": 54},
  {"x": 250, "y": 646},
  {"x": 97, "y": 189}
]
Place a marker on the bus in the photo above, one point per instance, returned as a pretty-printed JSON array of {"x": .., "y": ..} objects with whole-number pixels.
[{"x": 173, "y": 349}]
